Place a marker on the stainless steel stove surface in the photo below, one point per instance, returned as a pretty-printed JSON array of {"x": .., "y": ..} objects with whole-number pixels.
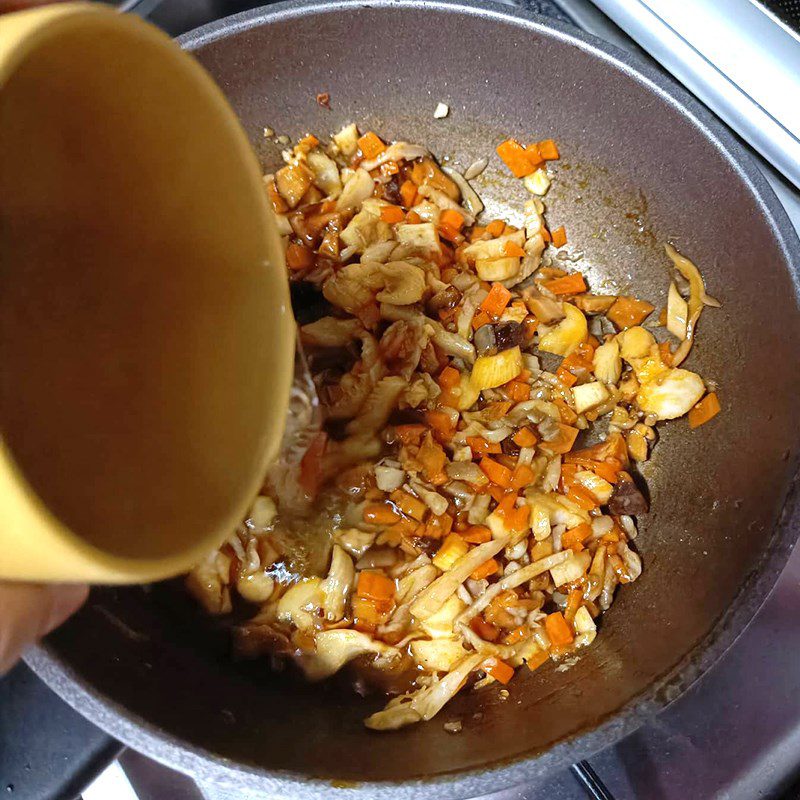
[{"x": 734, "y": 735}]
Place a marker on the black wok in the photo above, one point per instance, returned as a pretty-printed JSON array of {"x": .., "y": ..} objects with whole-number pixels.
[{"x": 642, "y": 164}]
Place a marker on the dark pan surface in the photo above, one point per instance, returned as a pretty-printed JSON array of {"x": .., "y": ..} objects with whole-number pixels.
[{"x": 642, "y": 164}]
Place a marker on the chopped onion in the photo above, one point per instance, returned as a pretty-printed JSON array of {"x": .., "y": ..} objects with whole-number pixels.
[
  {"x": 355, "y": 191},
  {"x": 526, "y": 455},
  {"x": 467, "y": 471},
  {"x": 388, "y": 478},
  {"x": 479, "y": 509},
  {"x": 435, "y": 502}
]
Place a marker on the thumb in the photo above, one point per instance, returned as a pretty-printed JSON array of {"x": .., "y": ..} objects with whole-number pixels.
[{"x": 29, "y": 611}]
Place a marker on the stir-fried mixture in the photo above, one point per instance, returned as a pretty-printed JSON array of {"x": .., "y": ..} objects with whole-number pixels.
[{"x": 466, "y": 503}]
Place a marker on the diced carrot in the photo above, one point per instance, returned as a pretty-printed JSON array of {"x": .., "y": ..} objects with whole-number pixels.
[
  {"x": 311, "y": 474},
  {"x": 705, "y": 410},
  {"x": 408, "y": 193},
  {"x": 566, "y": 377},
  {"x": 380, "y": 514},
  {"x": 548, "y": 150},
  {"x": 497, "y": 410},
  {"x": 537, "y": 659},
  {"x": 533, "y": 153},
  {"x": 498, "y": 669},
  {"x": 546, "y": 234},
  {"x": 563, "y": 442},
  {"x": 516, "y": 158},
  {"x": 582, "y": 497},
  {"x": 525, "y": 437},
  {"x": 307, "y": 143},
  {"x": 449, "y": 377},
  {"x": 279, "y": 205},
  {"x": 439, "y": 527},
  {"x": 558, "y": 629},
  {"x": 450, "y": 233},
  {"x": 603, "y": 469},
  {"x": 392, "y": 214},
  {"x": 569, "y": 284},
  {"x": 506, "y": 506},
  {"x": 484, "y": 629},
  {"x": 477, "y": 232},
  {"x": 628, "y": 311},
  {"x": 453, "y": 548},
  {"x": 559, "y": 236},
  {"x": 496, "y": 472},
  {"x": 480, "y": 319},
  {"x": 477, "y": 534},
  {"x": 574, "y": 600},
  {"x": 523, "y": 476},
  {"x": 496, "y": 227},
  {"x": 480, "y": 447},
  {"x": 568, "y": 472},
  {"x": 371, "y": 145},
  {"x": 495, "y": 302},
  {"x": 662, "y": 317},
  {"x": 518, "y": 391},
  {"x": 432, "y": 458},
  {"x": 525, "y": 375},
  {"x": 517, "y": 635},
  {"x": 440, "y": 422},
  {"x": 485, "y": 570},
  {"x": 367, "y": 614},
  {"x": 405, "y": 527},
  {"x": 665, "y": 351},
  {"x": 529, "y": 326},
  {"x": 410, "y": 506},
  {"x": 299, "y": 256},
  {"x": 409, "y": 434},
  {"x": 581, "y": 358},
  {"x": 497, "y": 492},
  {"x": 568, "y": 416},
  {"x": 375, "y": 586},
  {"x": 452, "y": 218},
  {"x": 513, "y": 250},
  {"x": 412, "y": 218},
  {"x": 580, "y": 533},
  {"x": 520, "y": 519}
]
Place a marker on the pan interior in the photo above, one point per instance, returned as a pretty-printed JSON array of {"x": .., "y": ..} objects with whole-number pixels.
[{"x": 636, "y": 171}]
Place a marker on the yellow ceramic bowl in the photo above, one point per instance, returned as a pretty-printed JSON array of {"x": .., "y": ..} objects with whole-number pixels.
[{"x": 146, "y": 336}]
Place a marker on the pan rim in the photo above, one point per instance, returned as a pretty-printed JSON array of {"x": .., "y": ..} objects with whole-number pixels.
[{"x": 205, "y": 765}]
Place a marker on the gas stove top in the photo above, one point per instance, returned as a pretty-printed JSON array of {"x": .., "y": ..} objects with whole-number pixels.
[{"x": 734, "y": 735}]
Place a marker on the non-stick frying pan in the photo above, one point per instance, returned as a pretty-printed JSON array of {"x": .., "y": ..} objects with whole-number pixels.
[{"x": 642, "y": 164}]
